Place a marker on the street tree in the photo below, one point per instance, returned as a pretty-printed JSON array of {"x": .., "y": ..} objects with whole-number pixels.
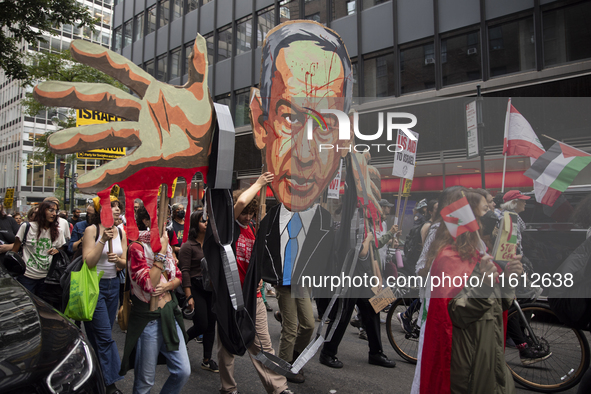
[{"x": 27, "y": 20}]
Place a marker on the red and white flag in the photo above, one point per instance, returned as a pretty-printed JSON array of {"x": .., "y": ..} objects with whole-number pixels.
[
  {"x": 459, "y": 218},
  {"x": 521, "y": 140}
]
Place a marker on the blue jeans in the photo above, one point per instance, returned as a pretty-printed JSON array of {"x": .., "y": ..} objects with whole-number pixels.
[
  {"x": 99, "y": 330},
  {"x": 150, "y": 343}
]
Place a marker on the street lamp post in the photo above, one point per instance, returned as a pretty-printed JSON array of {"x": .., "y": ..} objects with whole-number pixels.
[{"x": 480, "y": 130}]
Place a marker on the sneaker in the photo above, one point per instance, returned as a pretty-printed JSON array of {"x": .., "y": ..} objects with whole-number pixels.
[
  {"x": 355, "y": 322},
  {"x": 529, "y": 355},
  {"x": 404, "y": 324},
  {"x": 298, "y": 378},
  {"x": 278, "y": 316},
  {"x": 287, "y": 391},
  {"x": 269, "y": 309},
  {"x": 210, "y": 365},
  {"x": 271, "y": 293},
  {"x": 363, "y": 335},
  {"x": 199, "y": 339}
]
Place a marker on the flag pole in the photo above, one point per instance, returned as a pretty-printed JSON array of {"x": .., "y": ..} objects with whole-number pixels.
[
  {"x": 550, "y": 138},
  {"x": 506, "y": 136}
]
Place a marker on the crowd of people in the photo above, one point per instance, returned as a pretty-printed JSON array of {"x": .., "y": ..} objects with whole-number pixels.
[{"x": 469, "y": 359}]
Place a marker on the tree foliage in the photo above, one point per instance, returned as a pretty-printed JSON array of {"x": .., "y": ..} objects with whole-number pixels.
[{"x": 28, "y": 20}]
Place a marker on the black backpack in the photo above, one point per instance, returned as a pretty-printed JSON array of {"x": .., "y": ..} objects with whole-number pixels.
[{"x": 413, "y": 246}]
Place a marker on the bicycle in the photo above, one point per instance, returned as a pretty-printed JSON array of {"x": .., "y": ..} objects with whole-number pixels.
[{"x": 562, "y": 370}]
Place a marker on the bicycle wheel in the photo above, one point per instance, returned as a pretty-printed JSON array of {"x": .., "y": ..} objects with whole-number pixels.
[
  {"x": 569, "y": 358},
  {"x": 405, "y": 344}
]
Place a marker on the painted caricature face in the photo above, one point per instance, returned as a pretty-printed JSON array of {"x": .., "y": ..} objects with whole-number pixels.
[{"x": 315, "y": 78}]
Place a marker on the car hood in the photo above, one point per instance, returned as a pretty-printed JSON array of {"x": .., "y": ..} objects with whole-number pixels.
[{"x": 34, "y": 338}]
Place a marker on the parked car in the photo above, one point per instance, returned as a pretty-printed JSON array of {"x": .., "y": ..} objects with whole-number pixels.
[{"x": 42, "y": 351}]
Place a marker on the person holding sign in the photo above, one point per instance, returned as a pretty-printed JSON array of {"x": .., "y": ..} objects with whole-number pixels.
[{"x": 462, "y": 335}]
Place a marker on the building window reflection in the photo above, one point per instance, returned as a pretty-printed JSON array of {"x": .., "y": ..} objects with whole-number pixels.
[
  {"x": 224, "y": 43},
  {"x": 379, "y": 75},
  {"x": 175, "y": 63},
  {"x": 164, "y": 11},
  {"x": 151, "y": 20},
  {"x": 265, "y": 22},
  {"x": 127, "y": 32},
  {"x": 567, "y": 34},
  {"x": 242, "y": 111},
  {"x": 139, "y": 27},
  {"x": 161, "y": 67},
  {"x": 243, "y": 35},
  {"x": 460, "y": 58},
  {"x": 417, "y": 68},
  {"x": 289, "y": 10},
  {"x": 341, "y": 8},
  {"x": 511, "y": 47}
]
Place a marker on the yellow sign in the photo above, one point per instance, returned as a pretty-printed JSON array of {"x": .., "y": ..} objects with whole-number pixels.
[
  {"x": 173, "y": 187},
  {"x": 407, "y": 186},
  {"x": 8, "y": 198},
  {"x": 86, "y": 117}
]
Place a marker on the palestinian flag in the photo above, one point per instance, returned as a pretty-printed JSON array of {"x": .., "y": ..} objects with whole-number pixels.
[
  {"x": 459, "y": 218},
  {"x": 559, "y": 166}
]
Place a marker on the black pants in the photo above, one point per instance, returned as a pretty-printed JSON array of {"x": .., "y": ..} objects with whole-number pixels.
[
  {"x": 203, "y": 319},
  {"x": 369, "y": 318}
]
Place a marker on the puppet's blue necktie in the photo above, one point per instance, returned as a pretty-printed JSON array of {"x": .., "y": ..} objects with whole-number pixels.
[{"x": 291, "y": 249}]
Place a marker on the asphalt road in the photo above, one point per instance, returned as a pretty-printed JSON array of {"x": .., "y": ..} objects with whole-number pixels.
[{"x": 357, "y": 376}]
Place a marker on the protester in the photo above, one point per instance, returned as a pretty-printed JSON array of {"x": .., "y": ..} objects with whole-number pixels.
[
  {"x": 430, "y": 218},
  {"x": 420, "y": 210},
  {"x": 31, "y": 213},
  {"x": 386, "y": 207},
  {"x": 75, "y": 216},
  {"x": 43, "y": 240},
  {"x": 582, "y": 214},
  {"x": 176, "y": 228},
  {"x": 245, "y": 206},
  {"x": 78, "y": 231},
  {"x": 8, "y": 229},
  {"x": 197, "y": 297},
  {"x": 95, "y": 251},
  {"x": 18, "y": 218},
  {"x": 498, "y": 200},
  {"x": 514, "y": 201},
  {"x": 160, "y": 330},
  {"x": 462, "y": 338}
]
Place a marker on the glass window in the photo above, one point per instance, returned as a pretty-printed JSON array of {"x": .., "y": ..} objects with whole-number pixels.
[
  {"x": 105, "y": 39},
  {"x": 67, "y": 28},
  {"x": 370, "y": 3},
  {"x": 188, "y": 50},
  {"x": 511, "y": 47},
  {"x": 164, "y": 10},
  {"x": 316, "y": 10},
  {"x": 567, "y": 34},
  {"x": 139, "y": 27},
  {"x": 243, "y": 35},
  {"x": 107, "y": 17},
  {"x": 127, "y": 32},
  {"x": 341, "y": 8},
  {"x": 224, "y": 99},
  {"x": 265, "y": 22},
  {"x": 117, "y": 39},
  {"x": 225, "y": 43},
  {"x": 49, "y": 174},
  {"x": 192, "y": 5},
  {"x": 242, "y": 112},
  {"x": 150, "y": 67},
  {"x": 210, "y": 48},
  {"x": 56, "y": 44},
  {"x": 417, "y": 68},
  {"x": 205, "y": 1},
  {"x": 151, "y": 19},
  {"x": 177, "y": 9},
  {"x": 161, "y": 68},
  {"x": 460, "y": 58},
  {"x": 379, "y": 75},
  {"x": 355, "y": 76},
  {"x": 37, "y": 173},
  {"x": 175, "y": 63},
  {"x": 289, "y": 10}
]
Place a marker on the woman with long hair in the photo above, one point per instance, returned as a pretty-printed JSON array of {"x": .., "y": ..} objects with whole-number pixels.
[
  {"x": 43, "y": 240},
  {"x": 462, "y": 336},
  {"x": 95, "y": 251},
  {"x": 154, "y": 327},
  {"x": 198, "y": 298}
]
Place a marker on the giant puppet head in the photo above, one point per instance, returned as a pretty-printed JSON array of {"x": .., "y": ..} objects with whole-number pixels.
[
  {"x": 305, "y": 67},
  {"x": 171, "y": 126}
]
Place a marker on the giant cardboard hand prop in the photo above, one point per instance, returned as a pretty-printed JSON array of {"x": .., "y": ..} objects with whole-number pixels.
[{"x": 171, "y": 127}]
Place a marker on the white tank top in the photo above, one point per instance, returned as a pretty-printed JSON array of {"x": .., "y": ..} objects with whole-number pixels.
[{"x": 103, "y": 264}]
